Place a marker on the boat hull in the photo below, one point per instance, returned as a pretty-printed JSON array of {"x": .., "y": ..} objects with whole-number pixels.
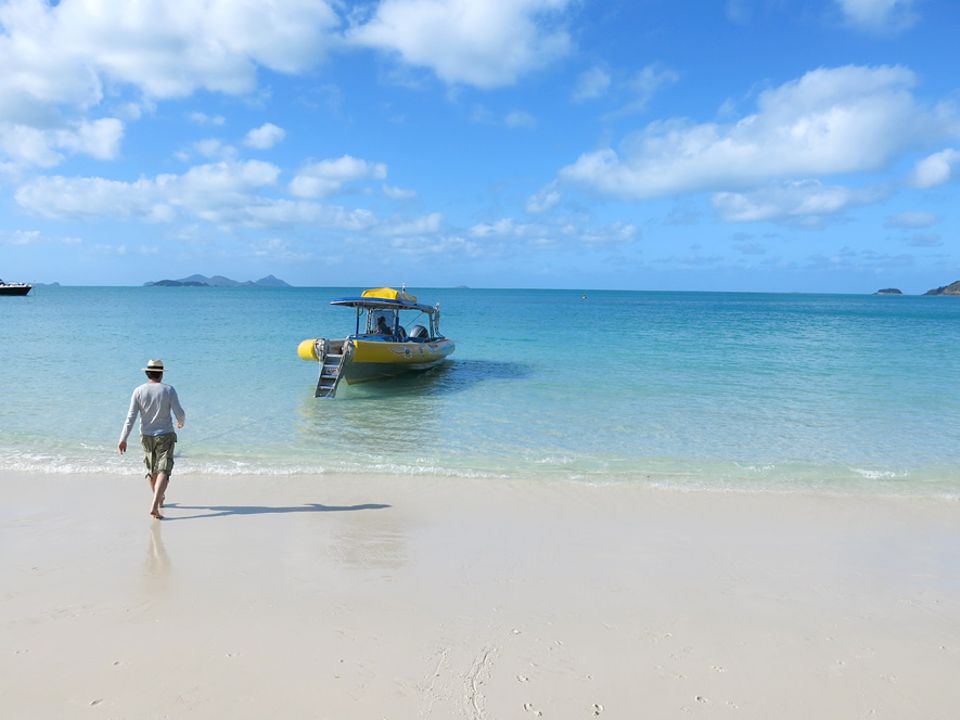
[
  {"x": 374, "y": 360},
  {"x": 15, "y": 289}
]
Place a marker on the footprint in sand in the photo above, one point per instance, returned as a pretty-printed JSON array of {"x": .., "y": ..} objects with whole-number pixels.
[
  {"x": 597, "y": 709},
  {"x": 522, "y": 678},
  {"x": 717, "y": 668},
  {"x": 530, "y": 708}
]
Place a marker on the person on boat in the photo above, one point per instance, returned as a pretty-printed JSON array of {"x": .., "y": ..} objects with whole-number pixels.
[
  {"x": 382, "y": 327},
  {"x": 154, "y": 401}
]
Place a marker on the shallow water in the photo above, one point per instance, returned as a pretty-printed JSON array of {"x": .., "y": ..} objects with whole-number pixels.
[{"x": 718, "y": 390}]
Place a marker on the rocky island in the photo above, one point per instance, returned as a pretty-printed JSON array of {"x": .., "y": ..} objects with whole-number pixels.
[
  {"x": 889, "y": 291},
  {"x": 951, "y": 289},
  {"x": 219, "y": 281}
]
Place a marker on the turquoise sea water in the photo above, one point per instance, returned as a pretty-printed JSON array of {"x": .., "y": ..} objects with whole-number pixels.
[{"x": 717, "y": 390}]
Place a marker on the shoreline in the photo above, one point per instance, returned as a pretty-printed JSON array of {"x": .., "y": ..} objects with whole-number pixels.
[
  {"x": 390, "y": 596},
  {"x": 939, "y": 483}
]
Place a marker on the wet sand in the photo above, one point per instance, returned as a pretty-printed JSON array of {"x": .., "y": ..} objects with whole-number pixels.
[{"x": 387, "y": 597}]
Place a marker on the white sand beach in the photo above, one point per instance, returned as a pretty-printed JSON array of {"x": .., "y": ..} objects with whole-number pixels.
[{"x": 387, "y": 597}]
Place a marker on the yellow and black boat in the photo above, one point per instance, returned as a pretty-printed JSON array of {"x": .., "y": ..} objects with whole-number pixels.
[{"x": 381, "y": 346}]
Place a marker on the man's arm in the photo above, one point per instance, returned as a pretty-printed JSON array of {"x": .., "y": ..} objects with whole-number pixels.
[
  {"x": 177, "y": 410},
  {"x": 128, "y": 425}
]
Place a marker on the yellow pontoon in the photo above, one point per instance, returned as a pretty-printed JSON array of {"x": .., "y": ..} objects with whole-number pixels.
[{"x": 385, "y": 347}]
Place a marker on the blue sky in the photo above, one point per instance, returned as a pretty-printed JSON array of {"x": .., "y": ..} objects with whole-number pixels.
[{"x": 762, "y": 145}]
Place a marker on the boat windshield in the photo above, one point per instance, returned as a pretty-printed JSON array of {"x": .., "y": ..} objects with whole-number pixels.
[{"x": 388, "y": 323}]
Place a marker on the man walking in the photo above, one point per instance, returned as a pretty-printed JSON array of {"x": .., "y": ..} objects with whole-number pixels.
[{"x": 154, "y": 401}]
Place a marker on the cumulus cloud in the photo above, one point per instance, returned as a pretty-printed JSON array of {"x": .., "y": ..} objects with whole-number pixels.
[
  {"x": 62, "y": 54},
  {"x": 228, "y": 194},
  {"x": 935, "y": 169},
  {"x": 485, "y": 44},
  {"x": 42, "y": 147},
  {"x": 264, "y": 137},
  {"x": 208, "y": 192},
  {"x": 215, "y": 149},
  {"x": 805, "y": 201},
  {"x": 398, "y": 193},
  {"x": 591, "y": 84},
  {"x": 644, "y": 85},
  {"x": 912, "y": 220},
  {"x": 831, "y": 120},
  {"x": 426, "y": 225},
  {"x": 543, "y": 200},
  {"x": 199, "y": 118},
  {"x": 20, "y": 237},
  {"x": 328, "y": 176},
  {"x": 443, "y": 245},
  {"x": 878, "y": 16},
  {"x": 539, "y": 234}
]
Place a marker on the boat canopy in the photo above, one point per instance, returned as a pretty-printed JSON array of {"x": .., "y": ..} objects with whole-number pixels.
[{"x": 384, "y": 299}]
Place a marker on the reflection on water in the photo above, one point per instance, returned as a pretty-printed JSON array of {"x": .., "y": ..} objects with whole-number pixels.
[
  {"x": 381, "y": 419},
  {"x": 451, "y": 377},
  {"x": 156, "y": 568}
]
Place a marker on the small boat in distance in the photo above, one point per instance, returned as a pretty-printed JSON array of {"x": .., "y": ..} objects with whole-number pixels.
[
  {"x": 381, "y": 347},
  {"x": 14, "y": 288}
]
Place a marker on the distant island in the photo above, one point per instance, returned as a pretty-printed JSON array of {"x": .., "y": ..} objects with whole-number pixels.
[
  {"x": 951, "y": 289},
  {"x": 219, "y": 281},
  {"x": 889, "y": 291}
]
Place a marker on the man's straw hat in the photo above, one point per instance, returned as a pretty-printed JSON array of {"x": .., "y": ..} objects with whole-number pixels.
[{"x": 154, "y": 366}]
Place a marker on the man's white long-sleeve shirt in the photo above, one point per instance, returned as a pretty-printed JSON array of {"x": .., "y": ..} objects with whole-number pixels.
[{"x": 153, "y": 402}]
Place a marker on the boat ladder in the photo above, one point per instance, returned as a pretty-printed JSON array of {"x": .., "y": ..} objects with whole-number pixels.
[{"x": 330, "y": 369}]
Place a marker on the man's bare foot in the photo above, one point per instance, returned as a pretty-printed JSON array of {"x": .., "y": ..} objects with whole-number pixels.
[{"x": 156, "y": 514}]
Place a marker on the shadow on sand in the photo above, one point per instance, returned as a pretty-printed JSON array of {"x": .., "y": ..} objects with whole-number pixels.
[{"x": 224, "y": 510}]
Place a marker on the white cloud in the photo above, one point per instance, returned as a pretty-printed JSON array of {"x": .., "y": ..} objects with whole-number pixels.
[
  {"x": 544, "y": 199},
  {"x": 30, "y": 146},
  {"x": 935, "y": 169},
  {"x": 199, "y": 118},
  {"x": 542, "y": 234},
  {"x": 644, "y": 85},
  {"x": 264, "y": 137},
  {"x": 520, "y": 119},
  {"x": 398, "y": 193},
  {"x": 618, "y": 232},
  {"x": 21, "y": 237},
  {"x": 445, "y": 245},
  {"x": 63, "y": 54},
  {"x": 215, "y": 149},
  {"x": 880, "y": 16},
  {"x": 227, "y": 194},
  {"x": 912, "y": 220},
  {"x": 486, "y": 44},
  {"x": 807, "y": 201},
  {"x": 426, "y": 225},
  {"x": 327, "y": 176},
  {"x": 839, "y": 120},
  {"x": 206, "y": 191},
  {"x": 591, "y": 84}
]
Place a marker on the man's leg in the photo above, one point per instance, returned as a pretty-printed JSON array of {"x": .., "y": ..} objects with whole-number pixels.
[
  {"x": 158, "y": 492},
  {"x": 153, "y": 487}
]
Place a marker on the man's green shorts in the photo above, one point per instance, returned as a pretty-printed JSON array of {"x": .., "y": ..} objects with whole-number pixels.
[{"x": 158, "y": 453}]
